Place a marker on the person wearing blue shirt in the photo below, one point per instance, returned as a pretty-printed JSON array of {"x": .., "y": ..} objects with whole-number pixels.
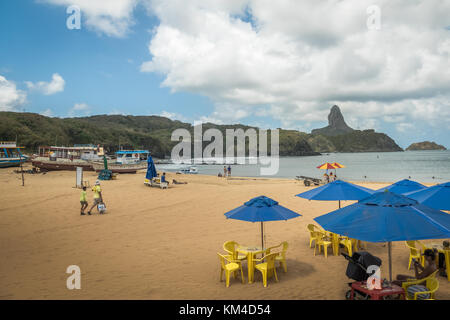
[{"x": 163, "y": 177}]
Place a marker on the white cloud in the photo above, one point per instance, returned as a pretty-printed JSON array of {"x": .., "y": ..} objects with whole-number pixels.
[
  {"x": 79, "y": 110},
  {"x": 11, "y": 98},
  {"x": 47, "y": 112},
  {"x": 48, "y": 88},
  {"x": 301, "y": 57},
  {"x": 110, "y": 17},
  {"x": 404, "y": 127},
  {"x": 117, "y": 112},
  {"x": 173, "y": 116}
]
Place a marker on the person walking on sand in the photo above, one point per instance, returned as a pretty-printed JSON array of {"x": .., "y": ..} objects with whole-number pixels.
[
  {"x": 224, "y": 171},
  {"x": 83, "y": 201},
  {"x": 98, "y": 198},
  {"x": 229, "y": 170}
]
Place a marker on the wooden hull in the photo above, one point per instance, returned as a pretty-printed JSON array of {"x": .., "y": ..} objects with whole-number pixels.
[
  {"x": 59, "y": 165},
  {"x": 120, "y": 168},
  {"x": 11, "y": 162}
]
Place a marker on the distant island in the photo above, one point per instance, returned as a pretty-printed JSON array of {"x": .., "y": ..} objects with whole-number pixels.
[
  {"x": 154, "y": 133},
  {"x": 425, "y": 145}
]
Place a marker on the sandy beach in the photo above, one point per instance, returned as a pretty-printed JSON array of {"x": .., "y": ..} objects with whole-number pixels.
[{"x": 161, "y": 244}]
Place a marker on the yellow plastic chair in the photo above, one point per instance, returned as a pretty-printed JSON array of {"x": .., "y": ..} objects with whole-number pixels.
[
  {"x": 347, "y": 243},
  {"x": 229, "y": 268},
  {"x": 334, "y": 242},
  {"x": 230, "y": 247},
  {"x": 432, "y": 285},
  {"x": 322, "y": 242},
  {"x": 414, "y": 253},
  {"x": 422, "y": 246},
  {"x": 281, "y": 257},
  {"x": 411, "y": 282},
  {"x": 313, "y": 234},
  {"x": 266, "y": 268}
]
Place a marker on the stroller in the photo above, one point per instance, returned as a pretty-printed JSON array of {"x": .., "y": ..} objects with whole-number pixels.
[{"x": 357, "y": 270}]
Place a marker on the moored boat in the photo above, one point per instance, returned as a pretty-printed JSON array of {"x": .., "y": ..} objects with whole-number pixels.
[
  {"x": 128, "y": 161},
  {"x": 10, "y": 155}
]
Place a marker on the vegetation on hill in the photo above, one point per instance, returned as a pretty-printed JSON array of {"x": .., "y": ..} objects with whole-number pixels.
[
  {"x": 111, "y": 131},
  {"x": 154, "y": 133},
  {"x": 425, "y": 145}
]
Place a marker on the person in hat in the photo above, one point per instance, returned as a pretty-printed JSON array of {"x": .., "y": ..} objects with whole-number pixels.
[
  {"x": 419, "y": 271},
  {"x": 98, "y": 198}
]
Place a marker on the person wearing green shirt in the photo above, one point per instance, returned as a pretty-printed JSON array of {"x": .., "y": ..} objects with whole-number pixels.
[{"x": 83, "y": 201}]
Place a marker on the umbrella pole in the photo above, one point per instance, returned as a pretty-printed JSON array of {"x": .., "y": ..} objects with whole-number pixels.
[
  {"x": 390, "y": 260},
  {"x": 339, "y": 204},
  {"x": 262, "y": 236}
]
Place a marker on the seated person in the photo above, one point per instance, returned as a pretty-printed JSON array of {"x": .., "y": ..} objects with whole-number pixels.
[
  {"x": 178, "y": 182},
  {"x": 430, "y": 267},
  {"x": 163, "y": 178},
  {"x": 442, "y": 272}
]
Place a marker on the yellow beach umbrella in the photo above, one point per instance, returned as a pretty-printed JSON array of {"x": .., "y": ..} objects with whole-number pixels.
[
  {"x": 326, "y": 166},
  {"x": 337, "y": 165}
]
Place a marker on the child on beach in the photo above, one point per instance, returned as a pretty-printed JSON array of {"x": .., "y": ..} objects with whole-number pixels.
[
  {"x": 83, "y": 201},
  {"x": 229, "y": 171},
  {"x": 98, "y": 199},
  {"x": 224, "y": 171}
]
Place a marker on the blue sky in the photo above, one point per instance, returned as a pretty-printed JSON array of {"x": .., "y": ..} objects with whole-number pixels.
[
  {"x": 248, "y": 62},
  {"x": 100, "y": 71}
]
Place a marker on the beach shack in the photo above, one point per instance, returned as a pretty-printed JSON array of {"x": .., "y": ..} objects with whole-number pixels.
[{"x": 88, "y": 152}]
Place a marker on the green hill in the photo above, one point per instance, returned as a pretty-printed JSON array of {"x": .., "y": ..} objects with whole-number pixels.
[
  {"x": 140, "y": 132},
  {"x": 154, "y": 133}
]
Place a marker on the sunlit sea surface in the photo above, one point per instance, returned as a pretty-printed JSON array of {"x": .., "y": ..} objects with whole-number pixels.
[{"x": 421, "y": 166}]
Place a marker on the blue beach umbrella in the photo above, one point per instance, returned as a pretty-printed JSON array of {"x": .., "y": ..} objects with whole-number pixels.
[
  {"x": 403, "y": 186},
  {"x": 151, "y": 169},
  {"x": 386, "y": 217},
  {"x": 437, "y": 197},
  {"x": 261, "y": 209},
  {"x": 336, "y": 191}
]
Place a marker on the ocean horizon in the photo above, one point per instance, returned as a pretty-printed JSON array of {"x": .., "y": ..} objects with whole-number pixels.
[{"x": 430, "y": 166}]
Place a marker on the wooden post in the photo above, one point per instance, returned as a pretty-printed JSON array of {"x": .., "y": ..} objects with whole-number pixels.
[{"x": 21, "y": 169}]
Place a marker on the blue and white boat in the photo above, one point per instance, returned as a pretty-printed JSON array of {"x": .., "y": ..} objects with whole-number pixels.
[{"x": 10, "y": 155}]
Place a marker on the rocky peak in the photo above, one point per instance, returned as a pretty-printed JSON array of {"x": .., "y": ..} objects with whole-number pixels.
[{"x": 336, "y": 124}]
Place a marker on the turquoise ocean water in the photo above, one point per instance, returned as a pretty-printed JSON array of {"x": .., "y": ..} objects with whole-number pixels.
[{"x": 421, "y": 166}]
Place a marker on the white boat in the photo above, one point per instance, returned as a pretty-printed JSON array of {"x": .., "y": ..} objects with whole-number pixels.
[
  {"x": 128, "y": 161},
  {"x": 190, "y": 170}
]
